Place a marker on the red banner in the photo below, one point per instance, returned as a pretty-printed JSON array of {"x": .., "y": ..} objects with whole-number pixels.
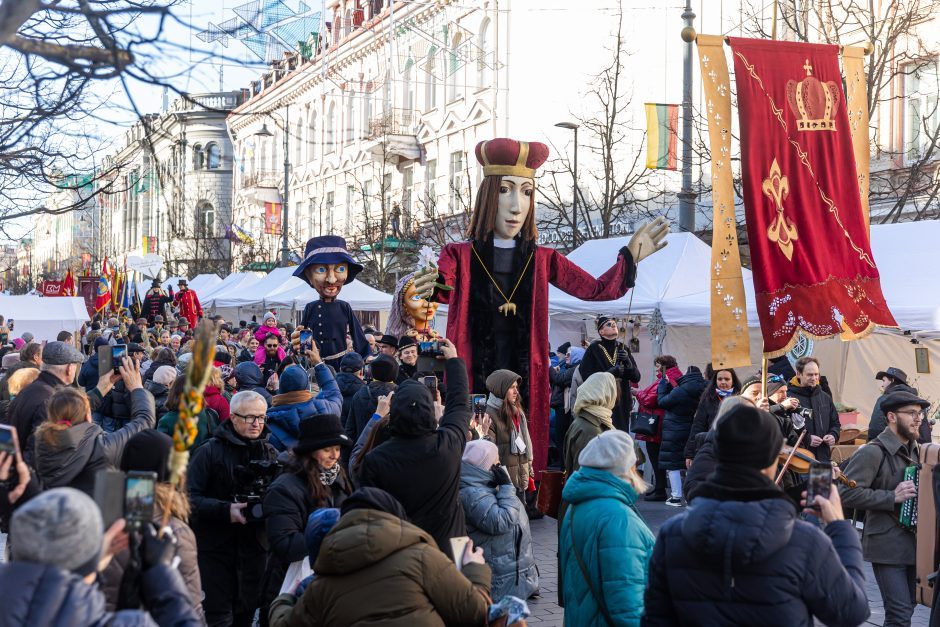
[
  {"x": 272, "y": 218},
  {"x": 812, "y": 261},
  {"x": 52, "y": 288}
]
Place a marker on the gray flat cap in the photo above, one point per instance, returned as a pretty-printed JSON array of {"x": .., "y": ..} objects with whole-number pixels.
[{"x": 60, "y": 354}]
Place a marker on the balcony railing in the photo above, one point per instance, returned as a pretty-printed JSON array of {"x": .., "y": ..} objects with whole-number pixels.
[
  {"x": 218, "y": 101},
  {"x": 262, "y": 178},
  {"x": 392, "y": 122}
]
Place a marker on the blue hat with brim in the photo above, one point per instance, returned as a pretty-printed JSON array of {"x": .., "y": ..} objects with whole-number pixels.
[{"x": 327, "y": 249}]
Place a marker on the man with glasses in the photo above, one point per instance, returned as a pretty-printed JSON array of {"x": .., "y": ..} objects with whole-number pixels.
[
  {"x": 272, "y": 358},
  {"x": 231, "y": 558},
  {"x": 822, "y": 426},
  {"x": 878, "y": 470}
]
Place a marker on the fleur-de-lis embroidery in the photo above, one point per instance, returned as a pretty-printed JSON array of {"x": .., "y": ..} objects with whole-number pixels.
[{"x": 781, "y": 231}]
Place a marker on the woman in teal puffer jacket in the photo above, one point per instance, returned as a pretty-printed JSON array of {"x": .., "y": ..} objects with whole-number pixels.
[
  {"x": 603, "y": 533},
  {"x": 497, "y": 521}
]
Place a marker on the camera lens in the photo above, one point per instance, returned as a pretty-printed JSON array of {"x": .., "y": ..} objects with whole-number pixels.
[{"x": 256, "y": 511}]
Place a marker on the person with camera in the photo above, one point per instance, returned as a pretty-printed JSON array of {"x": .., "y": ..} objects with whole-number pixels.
[
  {"x": 314, "y": 479},
  {"x": 58, "y": 546},
  {"x": 608, "y": 354},
  {"x": 742, "y": 556},
  {"x": 822, "y": 425},
  {"x": 70, "y": 448},
  {"x": 224, "y": 473},
  {"x": 878, "y": 470},
  {"x": 497, "y": 521}
]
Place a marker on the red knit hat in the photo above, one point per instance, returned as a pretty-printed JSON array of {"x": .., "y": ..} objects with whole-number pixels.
[{"x": 508, "y": 157}]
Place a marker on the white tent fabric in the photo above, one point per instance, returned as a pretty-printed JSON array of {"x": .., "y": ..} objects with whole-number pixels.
[
  {"x": 44, "y": 317},
  {"x": 204, "y": 283},
  {"x": 229, "y": 284},
  {"x": 295, "y": 294},
  {"x": 253, "y": 293}
]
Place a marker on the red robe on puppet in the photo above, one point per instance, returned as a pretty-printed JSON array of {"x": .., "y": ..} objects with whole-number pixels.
[
  {"x": 189, "y": 306},
  {"x": 454, "y": 267}
]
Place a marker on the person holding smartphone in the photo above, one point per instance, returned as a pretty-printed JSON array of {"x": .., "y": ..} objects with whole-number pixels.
[{"x": 742, "y": 555}]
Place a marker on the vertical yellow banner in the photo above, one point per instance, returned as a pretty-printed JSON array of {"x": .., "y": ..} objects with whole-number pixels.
[
  {"x": 856, "y": 100},
  {"x": 730, "y": 341}
]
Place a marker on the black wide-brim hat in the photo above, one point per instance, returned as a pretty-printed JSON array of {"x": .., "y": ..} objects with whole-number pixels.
[
  {"x": 327, "y": 249},
  {"x": 320, "y": 431}
]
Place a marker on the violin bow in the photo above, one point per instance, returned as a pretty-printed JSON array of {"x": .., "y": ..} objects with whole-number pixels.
[{"x": 786, "y": 464}]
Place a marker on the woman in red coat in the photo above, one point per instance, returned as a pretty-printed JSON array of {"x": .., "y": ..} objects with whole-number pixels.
[
  {"x": 496, "y": 284},
  {"x": 665, "y": 366}
]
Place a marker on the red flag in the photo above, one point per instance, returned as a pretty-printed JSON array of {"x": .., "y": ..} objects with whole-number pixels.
[
  {"x": 812, "y": 261},
  {"x": 272, "y": 218},
  {"x": 68, "y": 284},
  {"x": 103, "y": 293}
]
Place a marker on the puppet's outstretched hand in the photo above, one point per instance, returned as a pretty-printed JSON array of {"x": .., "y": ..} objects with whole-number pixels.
[
  {"x": 424, "y": 279},
  {"x": 648, "y": 239}
]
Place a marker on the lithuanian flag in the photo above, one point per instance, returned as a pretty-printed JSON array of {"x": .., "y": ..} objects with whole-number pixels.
[{"x": 662, "y": 132}]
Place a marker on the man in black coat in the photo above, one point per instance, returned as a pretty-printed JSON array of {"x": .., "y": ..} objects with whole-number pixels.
[
  {"x": 822, "y": 428},
  {"x": 349, "y": 380},
  {"x": 248, "y": 377},
  {"x": 420, "y": 464},
  {"x": 608, "y": 354},
  {"x": 893, "y": 380},
  {"x": 680, "y": 402},
  {"x": 363, "y": 403},
  {"x": 231, "y": 555}
]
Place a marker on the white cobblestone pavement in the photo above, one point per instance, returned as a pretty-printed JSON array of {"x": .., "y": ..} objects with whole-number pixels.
[{"x": 547, "y": 613}]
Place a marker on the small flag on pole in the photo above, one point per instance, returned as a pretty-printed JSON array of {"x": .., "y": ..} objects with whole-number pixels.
[
  {"x": 662, "y": 134},
  {"x": 272, "y": 218}
]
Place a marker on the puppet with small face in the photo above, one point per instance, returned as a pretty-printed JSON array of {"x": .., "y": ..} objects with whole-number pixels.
[
  {"x": 496, "y": 283},
  {"x": 327, "y": 266},
  {"x": 411, "y": 314}
]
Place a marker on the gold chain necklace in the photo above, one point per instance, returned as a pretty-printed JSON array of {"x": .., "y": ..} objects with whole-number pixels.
[
  {"x": 606, "y": 354},
  {"x": 509, "y": 307}
]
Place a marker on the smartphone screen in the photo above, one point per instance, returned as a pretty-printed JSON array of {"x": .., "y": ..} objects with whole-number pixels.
[
  {"x": 117, "y": 353},
  {"x": 306, "y": 340},
  {"x": 138, "y": 497},
  {"x": 479, "y": 404},
  {"x": 430, "y": 382},
  {"x": 458, "y": 546},
  {"x": 109, "y": 495},
  {"x": 819, "y": 482},
  {"x": 7, "y": 445},
  {"x": 367, "y": 372}
]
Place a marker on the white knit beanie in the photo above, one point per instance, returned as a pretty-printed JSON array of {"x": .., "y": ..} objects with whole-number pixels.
[
  {"x": 611, "y": 451},
  {"x": 481, "y": 453}
]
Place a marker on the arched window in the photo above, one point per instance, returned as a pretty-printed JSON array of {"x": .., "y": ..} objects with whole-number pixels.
[
  {"x": 262, "y": 143},
  {"x": 430, "y": 93},
  {"x": 213, "y": 156},
  {"x": 366, "y": 113},
  {"x": 311, "y": 135},
  {"x": 296, "y": 137},
  {"x": 205, "y": 216},
  {"x": 454, "y": 88},
  {"x": 408, "y": 89},
  {"x": 331, "y": 128},
  {"x": 198, "y": 157},
  {"x": 350, "y": 120},
  {"x": 387, "y": 93},
  {"x": 484, "y": 61}
]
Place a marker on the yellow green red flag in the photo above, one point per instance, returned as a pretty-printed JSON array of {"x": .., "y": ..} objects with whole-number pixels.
[{"x": 662, "y": 133}]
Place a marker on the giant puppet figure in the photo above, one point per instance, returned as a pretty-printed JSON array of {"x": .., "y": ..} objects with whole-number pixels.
[
  {"x": 496, "y": 284},
  {"x": 187, "y": 303},
  {"x": 327, "y": 266}
]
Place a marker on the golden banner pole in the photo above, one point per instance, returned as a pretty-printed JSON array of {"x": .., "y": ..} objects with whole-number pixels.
[{"x": 730, "y": 340}]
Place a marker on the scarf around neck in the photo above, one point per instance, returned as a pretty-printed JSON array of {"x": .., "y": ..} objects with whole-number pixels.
[
  {"x": 328, "y": 477},
  {"x": 724, "y": 393}
]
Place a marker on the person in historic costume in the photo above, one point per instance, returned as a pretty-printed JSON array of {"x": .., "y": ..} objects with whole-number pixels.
[
  {"x": 411, "y": 315},
  {"x": 608, "y": 354},
  {"x": 155, "y": 302},
  {"x": 496, "y": 284},
  {"x": 327, "y": 266},
  {"x": 187, "y": 303}
]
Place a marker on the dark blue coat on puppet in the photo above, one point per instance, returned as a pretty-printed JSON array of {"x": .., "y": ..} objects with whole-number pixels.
[{"x": 331, "y": 319}]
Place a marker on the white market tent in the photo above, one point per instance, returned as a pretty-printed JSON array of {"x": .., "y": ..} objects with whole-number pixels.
[
  {"x": 230, "y": 283},
  {"x": 296, "y": 294},
  {"x": 204, "y": 283},
  {"x": 44, "y": 317}
]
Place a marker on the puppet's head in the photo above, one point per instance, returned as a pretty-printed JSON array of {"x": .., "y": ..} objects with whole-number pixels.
[
  {"x": 410, "y": 312},
  {"x": 505, "y": 202},
  {"x": 327, "y": 266}
]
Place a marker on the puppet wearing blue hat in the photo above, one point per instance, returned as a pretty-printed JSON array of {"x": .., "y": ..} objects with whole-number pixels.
[{"x": 327, "y": 266}]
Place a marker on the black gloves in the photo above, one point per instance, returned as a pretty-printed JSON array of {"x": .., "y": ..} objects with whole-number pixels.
[
  {"x": 623, "y": 356},
  {"x": 501, "y": 475},
  {"x": 617, "y": 371},
  {"x": 156, "y": 550}
]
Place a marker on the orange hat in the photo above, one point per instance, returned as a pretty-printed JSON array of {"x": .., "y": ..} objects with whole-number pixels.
[{"x": 507, "y": 157}]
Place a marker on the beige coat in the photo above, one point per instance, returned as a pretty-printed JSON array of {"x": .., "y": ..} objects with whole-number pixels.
[{"x": 500, "y": 433}]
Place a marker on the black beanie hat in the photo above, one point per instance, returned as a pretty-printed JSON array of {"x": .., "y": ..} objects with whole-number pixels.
[
  {"x": 148, "y": 451},
  {"x": 373, "y": 498},
  {"x": 602, "y": 320},
  {"x": 384, "y": 369},
  {"x": 747, "y": 436},
  {"x": 411, "y": 414}
]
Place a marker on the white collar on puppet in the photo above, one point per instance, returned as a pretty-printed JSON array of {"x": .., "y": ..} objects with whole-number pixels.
[{"x": 503, "y": 243}]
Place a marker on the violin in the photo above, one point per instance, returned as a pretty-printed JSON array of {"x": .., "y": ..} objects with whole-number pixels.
[{"x": 800, "y": 459}]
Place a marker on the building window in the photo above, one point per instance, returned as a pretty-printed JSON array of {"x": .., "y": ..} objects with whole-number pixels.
[
  {"x": 456, "y": 181},
  {"x": 408, "y": 90},
  {"x": 311, "y": 207},
  {"x": 297, "y": 139},
  {"x": 331, "y": 128},
  {"x": 483, "y": 56},
  {"x": 350, "y": 120},
  {"x": 198, "y": 157},
  {"x": 350, "y": 201},
  {"x": 367, "y": 198},
  {"x": 311, "y": 135},
  {"x": 430, "y": 188},
  {"x": 921, "y": 117},
  {"x": 326, "y": 226},
  {"x": 454, "y": 88},
  {"x": 367, "y": 113},
  {"x": 407, "y": 182},
  {"x": 213, "y": 156},
  {"x": 206, "y": 219},
  {"x": 430, "y": 69}
]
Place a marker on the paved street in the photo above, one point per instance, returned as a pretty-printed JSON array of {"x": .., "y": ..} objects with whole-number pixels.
[{"x": 547, "y": 613}]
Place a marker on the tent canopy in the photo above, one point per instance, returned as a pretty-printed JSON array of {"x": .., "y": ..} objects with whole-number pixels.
[
  {"x": 249, "y": 294},
  {"x": 229, "y": 284},
  {"x": 44, "y": 317},
  {"x": 295, "y": 294},
  {"x": 204, "y": 282}
]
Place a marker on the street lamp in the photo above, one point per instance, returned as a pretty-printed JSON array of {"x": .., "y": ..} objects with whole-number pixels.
[
  {"x": 571, "y": 126},
  {"x": 264, "y": 132}
]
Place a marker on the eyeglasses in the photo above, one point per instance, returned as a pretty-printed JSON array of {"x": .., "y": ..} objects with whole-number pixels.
[
  {"x": 252, "y": 420},
  {"x": 911, "y": 412},
  {"x": 270, "y": 345}
]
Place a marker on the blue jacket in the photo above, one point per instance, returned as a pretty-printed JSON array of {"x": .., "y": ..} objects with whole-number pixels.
[
  {"x": 285, "y": 413},
  {"x": 88, "y": 374},
  {"x": 497, "y": 521},
  {"x": 725, "y": 562},
  {"x": 680, "y": 404},
  {"x": 614, "y": 543},
  {"x": 38, "y": 594}
]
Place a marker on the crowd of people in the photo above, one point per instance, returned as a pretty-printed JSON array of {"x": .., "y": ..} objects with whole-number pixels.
[{"x": 337, "y": 491}]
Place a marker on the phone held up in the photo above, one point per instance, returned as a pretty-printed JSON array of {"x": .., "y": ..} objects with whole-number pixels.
[
  {"x": 820, "y": 482},
  {"x": 129, "y": 496},
  {"x": 478, "y": 404},
  {"x": 7, "y": 443},
  {"x": 430, "y": 382},
  {"x": 306, "y": 341}
]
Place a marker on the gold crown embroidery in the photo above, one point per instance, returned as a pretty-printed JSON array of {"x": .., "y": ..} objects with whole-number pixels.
[{"x": 813, "y": 102}]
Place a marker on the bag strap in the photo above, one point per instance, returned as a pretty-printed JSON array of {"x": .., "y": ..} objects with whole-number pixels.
[{"x": 599, "y": 597}]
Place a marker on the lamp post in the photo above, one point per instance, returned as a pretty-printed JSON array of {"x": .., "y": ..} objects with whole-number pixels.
[
  {"x": 264, "y": 132},
  {"x": 571, "y": 126},
  {"x": 686, "y": 195}
]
